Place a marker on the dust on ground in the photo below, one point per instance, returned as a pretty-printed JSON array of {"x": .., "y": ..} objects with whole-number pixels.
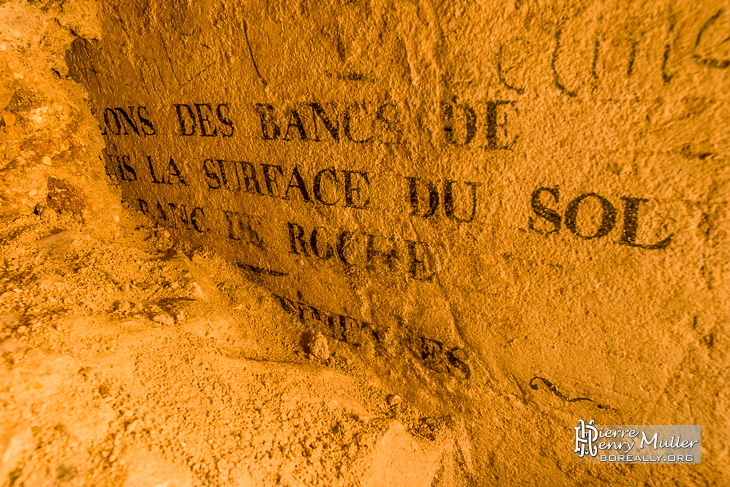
[{"x": 133, "y": 361}]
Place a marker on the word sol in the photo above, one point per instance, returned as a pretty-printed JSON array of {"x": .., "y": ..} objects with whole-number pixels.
[{"x": 607, "y": 221}]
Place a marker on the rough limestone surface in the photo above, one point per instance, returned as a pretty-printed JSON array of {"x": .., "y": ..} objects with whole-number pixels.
[
  {"x": 97, "y": 389},
  {"x": 508, "y": 215}
]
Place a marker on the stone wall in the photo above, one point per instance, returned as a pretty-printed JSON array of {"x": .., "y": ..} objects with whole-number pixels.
[
  {"x": 51, "y": 143},
  {"x": 515, "y": 214}
]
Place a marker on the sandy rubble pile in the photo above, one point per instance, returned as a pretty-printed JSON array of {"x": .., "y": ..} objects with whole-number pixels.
[{"x": 125, "y": 361}]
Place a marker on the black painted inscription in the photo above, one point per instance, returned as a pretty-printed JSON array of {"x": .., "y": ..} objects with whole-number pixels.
[
  {"x": 120, "y": 168},
  {"x": 342, "y": 327},
  {"x": 550, "y": 221},
  {"x": 358, "y": 122},
  {"x": 175, "y": 215},
  {"x": 165, "y": 173},
  {"x": 441, "y": 359},
  {"x": 424, "y": 198},
  {"x": 433, "y": 353},
  {"x": 368, "y": 251},
  {"x": 239, "y": 227},
  {"x": 133, "y": 120},
  {"x": 485, "y": 122},
  {"x": 328, "y": 186},
  {"x": 204, "y": 120}
]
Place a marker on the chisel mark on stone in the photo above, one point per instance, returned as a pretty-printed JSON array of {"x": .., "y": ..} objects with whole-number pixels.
[
  {"x": 250, "y": 51},
  {"x": 554, "y": 390}
]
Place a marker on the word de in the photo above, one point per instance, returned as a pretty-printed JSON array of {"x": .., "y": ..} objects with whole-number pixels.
[{"x": 461, "y": 123}]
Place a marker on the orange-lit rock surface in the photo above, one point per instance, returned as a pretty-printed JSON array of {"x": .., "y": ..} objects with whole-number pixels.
[{"x": 510, "y": 216}]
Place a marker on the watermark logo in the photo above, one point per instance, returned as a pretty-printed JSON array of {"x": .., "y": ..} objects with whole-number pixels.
[
  {"x": 642, "y": 444},
  {"x": 585, "y": 436}
]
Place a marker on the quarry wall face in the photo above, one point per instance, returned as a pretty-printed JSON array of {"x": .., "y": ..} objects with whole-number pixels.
[{"x": 525, "y": 200}]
